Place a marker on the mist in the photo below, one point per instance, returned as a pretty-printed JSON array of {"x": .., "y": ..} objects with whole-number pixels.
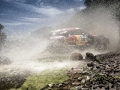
[
  {"x": 25, "y": 52},
  {"x": 104, "y": 23},
  {"x": 99, "y": 20},
  {"x": 26, "y": 56}
]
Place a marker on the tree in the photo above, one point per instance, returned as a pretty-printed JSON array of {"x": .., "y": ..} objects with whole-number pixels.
[
  {"x": 2, "y": 36},
  {"x": 1, "y": 26},
  {"x": 88, "y": 2},
  {"x": 102, "y": 2}
]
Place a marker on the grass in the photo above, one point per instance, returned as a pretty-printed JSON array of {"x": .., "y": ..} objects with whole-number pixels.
[
  {"x": 117, "y": 76},
  {"x": 37, "y": 82}
]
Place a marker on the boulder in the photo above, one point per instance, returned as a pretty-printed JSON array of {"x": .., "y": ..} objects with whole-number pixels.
[
  {"x": 9, "y": 82},
  {"x": 89, "y": 56},
  {"x": 76, "y": 56}
]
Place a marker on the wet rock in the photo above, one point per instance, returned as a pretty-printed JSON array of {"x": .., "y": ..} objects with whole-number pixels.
[
  {"x": 80, "y": 78},
  {"x": 89, "y": 56},
  {"x": 11, "y": 82},
  {"x": 100, "y": 74},
  {"x": 50, "y": 85},
  {"x": 91, "y": 64},
  {"x": 84, "y": 88},
  {"x": 118, "y": 85},
  {"x": 83, "y": 81},
  {"x": 76, "y": 83},
  {"x": 76, "y": 56},
  {"x": 76, "y": 75}
]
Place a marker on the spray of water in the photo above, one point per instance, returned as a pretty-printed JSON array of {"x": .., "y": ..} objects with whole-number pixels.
[
  {"x": 99, "y": 21},
  {"x": 24, "y": 53}
]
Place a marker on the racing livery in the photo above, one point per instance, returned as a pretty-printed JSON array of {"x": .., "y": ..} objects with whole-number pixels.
[{"x": 76, "y": 37}]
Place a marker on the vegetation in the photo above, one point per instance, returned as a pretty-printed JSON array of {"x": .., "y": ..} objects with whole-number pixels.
[
  {"x": 1, "y": 26},
  {"x": 37, "y": 82},
  {"x": 98, "y": 2},
  {"x": 2, "y": 36}
]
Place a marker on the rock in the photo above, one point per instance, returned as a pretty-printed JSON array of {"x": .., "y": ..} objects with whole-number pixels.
[
  {"x": 76, "y": 83},
  {"x": 7, "y": 83},
  {"x": 76, "y": 56},
  {"x": 89, "y": 56},
  {"x": 84, "y": 89},
  {"x": 80, "y": 78},
  {"x": 91, "y": 64},
  {"x": 118, "y": 85},
  {"x": 100, "y": 73},
  {"x": 50, "y": 85},
  {"x": 76, "y": 75},
  {"x": 87, "y": 78},
  {"x": 100, "y": 58},
  {"x": 83, "y": 81}
]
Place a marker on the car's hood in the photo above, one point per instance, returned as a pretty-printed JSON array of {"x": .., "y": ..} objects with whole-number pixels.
[{"x": 56, "y": 37}]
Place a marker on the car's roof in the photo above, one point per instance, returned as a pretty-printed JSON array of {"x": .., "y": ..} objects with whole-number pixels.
[{"x": 66, "y": 29}]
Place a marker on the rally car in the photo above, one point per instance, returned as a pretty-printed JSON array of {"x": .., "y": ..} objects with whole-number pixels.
[{"x": 69, "y": 38}]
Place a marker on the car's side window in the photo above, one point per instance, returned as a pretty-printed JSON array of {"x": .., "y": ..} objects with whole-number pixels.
[{"x": 83, "y": 37}]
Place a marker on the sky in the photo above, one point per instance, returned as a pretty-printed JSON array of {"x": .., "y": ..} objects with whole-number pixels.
[{"x": 25, "y": 16}]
